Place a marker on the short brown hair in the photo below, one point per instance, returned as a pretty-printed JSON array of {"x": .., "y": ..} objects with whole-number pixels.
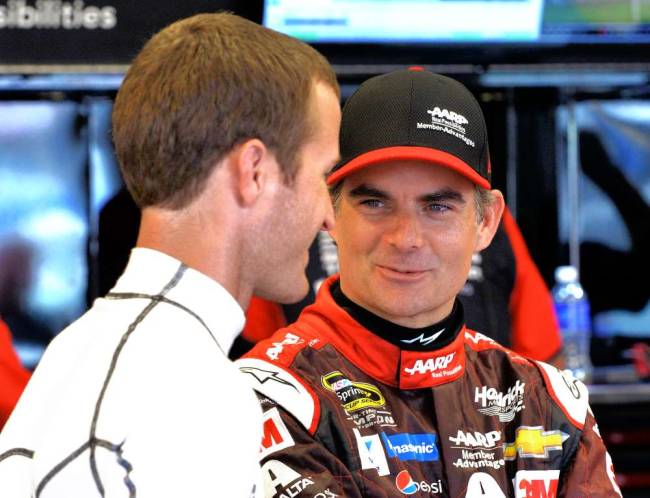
[{"x": 201, "y": 86}]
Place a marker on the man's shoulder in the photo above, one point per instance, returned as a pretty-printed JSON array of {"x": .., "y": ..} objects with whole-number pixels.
[
  {"x": 480, "y": 343},
  {"x": 568, "y": 393},
  {"x": 271, "y": 368}
]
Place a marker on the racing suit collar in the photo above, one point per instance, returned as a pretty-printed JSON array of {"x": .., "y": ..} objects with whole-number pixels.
[
  {"x": 429, "y": 338},
  {"x": 379, "y": 358}
]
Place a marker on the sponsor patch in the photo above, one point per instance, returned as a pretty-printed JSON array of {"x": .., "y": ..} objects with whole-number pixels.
[
  {"x": 283, "y": 388},
  {"x": 536, "y": 483},
  {"x": 483, "y": 485},
  {"x": 503, "y": 405},
  {"x": 276, "y": 436},
  {"x": 534, "y": 442},
  {"x": 280, "y": 480},
  {"x": 352, "y": 395},
  {"x": 449, "y": 122},
  {"x": 570, "y": 394},
  {"x": 406, "y": 485},
  {"x": 476, "y": 439},
  {"x": 430, "y": 365},
  {"x": 420, "y": 447},
  {"x": 371, "y": 453},
  {"x": 274, "y": 351},
  {"x": 372, "y": 417},
  {"x": 478, "y": 459}
]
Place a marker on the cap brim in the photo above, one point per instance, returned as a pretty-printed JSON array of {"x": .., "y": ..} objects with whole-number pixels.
[{"x": 408, "y": 153}]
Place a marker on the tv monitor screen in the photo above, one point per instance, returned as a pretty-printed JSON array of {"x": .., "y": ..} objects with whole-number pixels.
[{"x": 461, "y": 21}]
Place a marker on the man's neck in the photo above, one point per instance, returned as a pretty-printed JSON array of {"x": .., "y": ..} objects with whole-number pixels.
[
  {"x": 204, "y": 247},
  {"x": 431, "y": 337}
]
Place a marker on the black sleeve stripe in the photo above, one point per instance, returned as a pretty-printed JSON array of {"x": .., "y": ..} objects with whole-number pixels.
[
  {"x": 60, "y": 466},
  {"x": 163, "y": 299},
  {"x": 93, "y": 442},
  {"x": 23, "y": 452}
]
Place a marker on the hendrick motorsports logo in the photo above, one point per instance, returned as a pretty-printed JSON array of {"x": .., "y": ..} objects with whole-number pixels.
[
  {"x": 353, "y": 395},
  {"x": 56, "y": 14},
  {"x": 496, "y": 403}
]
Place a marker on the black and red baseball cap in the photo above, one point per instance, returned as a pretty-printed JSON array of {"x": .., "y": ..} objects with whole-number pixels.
[{"x": 414, "y": 114}]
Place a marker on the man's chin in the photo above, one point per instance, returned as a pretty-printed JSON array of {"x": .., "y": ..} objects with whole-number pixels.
[{"x": 289, "y": 291}]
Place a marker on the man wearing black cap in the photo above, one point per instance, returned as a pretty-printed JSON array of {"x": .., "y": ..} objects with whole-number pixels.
[{"x": 379, "y": 389}]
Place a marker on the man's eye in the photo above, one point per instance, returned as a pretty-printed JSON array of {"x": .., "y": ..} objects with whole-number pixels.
[
  {"x": 437, "y": 208},
  {"x": 372, "y": 203}
]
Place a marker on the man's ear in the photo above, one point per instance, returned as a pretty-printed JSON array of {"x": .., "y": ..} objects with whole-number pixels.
[
  {"x": 491, "y": 219},
  {"x": 252, "y": 166}
]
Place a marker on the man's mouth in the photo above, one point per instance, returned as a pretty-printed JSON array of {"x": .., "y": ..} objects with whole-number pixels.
[{"x": 402, "y": 273}]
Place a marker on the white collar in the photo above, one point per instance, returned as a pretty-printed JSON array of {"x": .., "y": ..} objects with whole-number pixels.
[{"x": 149, "y": 272}]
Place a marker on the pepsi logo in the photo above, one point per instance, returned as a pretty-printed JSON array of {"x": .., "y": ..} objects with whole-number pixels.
[{"x": 406, "y": 485}]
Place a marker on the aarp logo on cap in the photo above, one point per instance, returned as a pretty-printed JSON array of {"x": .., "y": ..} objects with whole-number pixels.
[
  {"x": 444, "y": 114},
  {"x": 449, "y": 122}
]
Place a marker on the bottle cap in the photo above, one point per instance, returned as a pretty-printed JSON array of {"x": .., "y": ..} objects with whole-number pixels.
[{"x": 566, "y": 274}]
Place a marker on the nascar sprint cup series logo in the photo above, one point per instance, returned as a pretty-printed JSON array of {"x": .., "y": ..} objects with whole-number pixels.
[
  {"x": 352, "y": 395},
  {"x": 504, "y": 405}
]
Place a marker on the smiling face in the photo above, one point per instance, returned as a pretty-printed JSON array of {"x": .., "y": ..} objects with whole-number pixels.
[{"x": 406, "y": 232}]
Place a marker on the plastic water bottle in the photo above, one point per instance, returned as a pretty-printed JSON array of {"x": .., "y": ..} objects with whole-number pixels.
[{"x": 572, "y": 310}]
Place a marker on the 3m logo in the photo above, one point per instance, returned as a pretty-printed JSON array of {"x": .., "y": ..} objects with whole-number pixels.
[
  {"x": 534, "y": 442},
  {"x": 276, "y": 435},
  {"x": 536, "y": 483},
  {"x": 276, "y": 349},
  {"x": 431, "y": 364}
]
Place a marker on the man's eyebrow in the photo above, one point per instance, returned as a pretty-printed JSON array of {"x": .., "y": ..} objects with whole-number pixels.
[
  {"x": 364, "y": 190},
  {"x": 443, "y": 195}
]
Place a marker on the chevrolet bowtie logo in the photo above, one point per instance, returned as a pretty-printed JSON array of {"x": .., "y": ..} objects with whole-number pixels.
[{"x": 534, "y": 442}]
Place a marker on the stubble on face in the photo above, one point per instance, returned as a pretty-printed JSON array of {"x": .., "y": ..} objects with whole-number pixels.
[{"x": 302, "y": 207}]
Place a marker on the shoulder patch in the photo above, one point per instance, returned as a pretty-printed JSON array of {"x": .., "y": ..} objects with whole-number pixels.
[
  {"x": 283, "y": 387},
  {"x": 276, "y": 435},
  {"x": 479, "y": 342},
  {"x": 569, "y": 393},
  {"x": 283, "y": 347}
]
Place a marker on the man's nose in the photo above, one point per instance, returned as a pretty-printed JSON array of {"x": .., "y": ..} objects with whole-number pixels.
[{"x": 406, "y": 232}]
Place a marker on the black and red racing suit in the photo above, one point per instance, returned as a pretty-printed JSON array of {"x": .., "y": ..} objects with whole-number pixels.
[{"x": 349, "y": 413}]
